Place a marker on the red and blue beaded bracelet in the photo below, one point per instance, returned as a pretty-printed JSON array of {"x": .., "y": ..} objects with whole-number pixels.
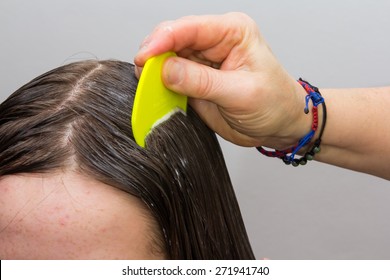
[{"x": 288, "y": 155}]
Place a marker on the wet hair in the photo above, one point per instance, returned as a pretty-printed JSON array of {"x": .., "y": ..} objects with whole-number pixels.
[{"x": 77, "y": 117}]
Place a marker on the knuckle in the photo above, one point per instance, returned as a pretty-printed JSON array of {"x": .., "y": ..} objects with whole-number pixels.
[
  {"x": 211, "y": 84},
  {"x": 241, "y": 17},
  {"x": 189, "y": 18},
  {"x": 247, "y": 22},
  {"x": 164, "y": 26},
  {"x": 244, "y": 26},
  {"x": 205, "y": 83}
]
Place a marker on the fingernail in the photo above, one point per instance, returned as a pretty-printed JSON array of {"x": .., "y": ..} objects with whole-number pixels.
[
  {"x": 173, "y": 72},
  {"x": 143, "y": 47},
  {"x": 137, "y": 72}
]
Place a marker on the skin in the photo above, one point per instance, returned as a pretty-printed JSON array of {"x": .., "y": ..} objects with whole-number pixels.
[
  {"x": 65, "y": 215},
  {"x": 244, "y": 94}
]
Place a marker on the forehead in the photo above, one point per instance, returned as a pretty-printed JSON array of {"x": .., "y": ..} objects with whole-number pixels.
[{"x": 68, "y": 215}]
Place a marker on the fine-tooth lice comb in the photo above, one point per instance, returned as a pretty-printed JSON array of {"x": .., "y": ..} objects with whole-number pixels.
[{"x": 153, "y": 103}]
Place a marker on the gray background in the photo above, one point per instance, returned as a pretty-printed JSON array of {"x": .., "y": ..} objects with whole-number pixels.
[{"x": 314, "y": 212}]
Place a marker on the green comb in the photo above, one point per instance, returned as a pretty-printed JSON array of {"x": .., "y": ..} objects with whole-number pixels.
[{"x": 153, "y": 102}]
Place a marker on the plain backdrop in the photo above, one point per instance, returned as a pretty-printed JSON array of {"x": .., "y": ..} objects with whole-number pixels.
[{"x": 312, "y": 212}]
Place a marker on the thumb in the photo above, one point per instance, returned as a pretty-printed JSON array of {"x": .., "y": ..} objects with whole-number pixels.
[{"x": 203, "y": 82}]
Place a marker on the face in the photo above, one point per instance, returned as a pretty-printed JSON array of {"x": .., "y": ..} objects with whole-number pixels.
[{"x": 66, "y": 215}]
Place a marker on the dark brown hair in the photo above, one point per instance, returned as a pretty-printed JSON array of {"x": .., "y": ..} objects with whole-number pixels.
[{"x": 78, "y": 117}]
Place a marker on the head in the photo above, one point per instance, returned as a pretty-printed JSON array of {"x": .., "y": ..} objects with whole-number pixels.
[{"x": 74, "y": 183}]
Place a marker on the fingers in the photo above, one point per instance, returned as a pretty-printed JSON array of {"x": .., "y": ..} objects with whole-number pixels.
[
  {"x": 210, "y": 114},
  {"x": 229, "y": 89},
  {"x": 215, "y": 35}
]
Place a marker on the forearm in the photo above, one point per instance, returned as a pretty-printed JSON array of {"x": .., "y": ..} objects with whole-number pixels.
[{"x": 357, "y": 133}]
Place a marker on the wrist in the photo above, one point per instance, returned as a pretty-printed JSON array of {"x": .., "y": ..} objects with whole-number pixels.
[{"x": 296, "y": 123}]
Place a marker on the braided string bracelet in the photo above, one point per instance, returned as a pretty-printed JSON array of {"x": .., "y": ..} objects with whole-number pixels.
[{"x": 288, "y": 155}]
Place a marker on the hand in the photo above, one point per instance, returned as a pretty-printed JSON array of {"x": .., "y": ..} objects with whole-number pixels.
[{"x": 236, "y": 84}]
